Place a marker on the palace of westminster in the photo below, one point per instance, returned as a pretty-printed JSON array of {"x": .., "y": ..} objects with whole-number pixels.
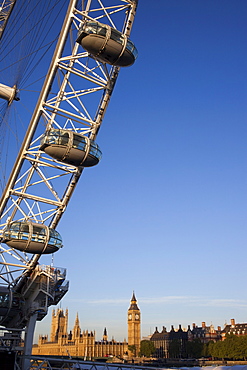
[{"x": 83, "y": 343}]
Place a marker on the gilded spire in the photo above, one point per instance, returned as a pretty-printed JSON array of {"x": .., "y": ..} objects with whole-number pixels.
[
  {"x": 133, "y": 303},
  {"x": 133, "y": 299}
]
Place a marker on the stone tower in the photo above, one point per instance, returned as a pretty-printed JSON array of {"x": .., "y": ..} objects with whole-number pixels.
[
  {"x": 105, "y": 336},
  {"x": 134, "y": 325},
  {"x": 76, "y": 329},
  {"x": 59, "y": 324}
]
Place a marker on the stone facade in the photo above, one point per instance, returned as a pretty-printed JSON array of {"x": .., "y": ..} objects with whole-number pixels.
[
  {"x": 164, "y": 340},
  {"x": 233, "y": 328},
  {"x": 205, "y": 334},
  {"x": 82, "y": 343},
  {"x": 134, "y": 326},
  {"x": 161, "y": 342}
]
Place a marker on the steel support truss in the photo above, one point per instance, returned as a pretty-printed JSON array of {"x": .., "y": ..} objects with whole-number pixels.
[
  {"x": 6, "y": 7},
  {"x": 75, "y": 96}
]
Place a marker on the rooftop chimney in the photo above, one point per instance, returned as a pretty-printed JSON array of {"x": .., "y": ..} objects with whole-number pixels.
[{"x": 232, "y": 322}]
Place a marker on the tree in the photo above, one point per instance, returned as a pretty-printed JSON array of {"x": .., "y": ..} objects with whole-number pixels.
[
  {"x": 147, "y": 348},
  {"x": 233, "y": 347},
  {"x": 218, "y": 350},
  {"x": 194, "y": 348},
  {"x": 209, "y": 349},
  {"x": 244, "y": 347},
  {"x": 132, "y": 349},
  {"x": 206, "y": 349}
]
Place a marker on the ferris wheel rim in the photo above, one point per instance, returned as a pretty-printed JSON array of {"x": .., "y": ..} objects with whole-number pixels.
[
  {"x": 65, "y": 109},
  {"x": 11, "y": 106}
]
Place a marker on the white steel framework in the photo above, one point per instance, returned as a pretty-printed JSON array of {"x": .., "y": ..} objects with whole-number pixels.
[
  {"x": 75, "y": 96},
  {"x": 6, "y": 7}
]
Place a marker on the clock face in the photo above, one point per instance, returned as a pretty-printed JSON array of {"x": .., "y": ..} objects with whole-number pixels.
[
  {"x": 130, "y": 316},
  {"x": 136, "y": 316}
]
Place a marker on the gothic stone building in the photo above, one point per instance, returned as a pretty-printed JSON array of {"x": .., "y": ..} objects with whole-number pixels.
[{"x": 82, "y": 343}]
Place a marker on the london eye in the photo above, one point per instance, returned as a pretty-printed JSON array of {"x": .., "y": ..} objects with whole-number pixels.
[{"x": 56, "y": 80}]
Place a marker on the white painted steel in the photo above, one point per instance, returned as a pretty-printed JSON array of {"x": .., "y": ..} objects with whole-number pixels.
[
  {"x": 65, "y": 105},
  {"x": 75, "y": 96},
  {"x": 7, "y": 93},
  {"x": 6, "y": 7}
]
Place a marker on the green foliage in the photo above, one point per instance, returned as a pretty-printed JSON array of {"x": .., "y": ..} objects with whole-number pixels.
[
  {"x": 205, "y": 350},
  {"x": 233, "y": 347},
  {"x": 194, "y": 348},
  {"x": 132, "y": 349},
  {"x": 147, "y": 348}
]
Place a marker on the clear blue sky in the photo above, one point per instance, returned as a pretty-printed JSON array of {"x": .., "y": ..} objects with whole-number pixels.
[{"x": 164, "y": 213}]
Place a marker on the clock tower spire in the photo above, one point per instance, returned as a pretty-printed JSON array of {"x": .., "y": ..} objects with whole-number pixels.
[{"x": 134, "y": 326}]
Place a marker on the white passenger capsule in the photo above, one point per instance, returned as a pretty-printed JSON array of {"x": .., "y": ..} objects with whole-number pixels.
[
  {"x": 107, "y": 44},
  {"x": 31, "y": 237},
  {"x": 70, "y": 147}
]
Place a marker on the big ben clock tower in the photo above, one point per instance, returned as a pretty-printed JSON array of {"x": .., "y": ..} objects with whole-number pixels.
[{"x": 134, "y": 326}]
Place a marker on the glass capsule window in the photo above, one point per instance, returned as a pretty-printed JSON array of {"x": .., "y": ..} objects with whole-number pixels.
[
  {"x": 55, "y": 136},
  {"x": 63, "y": 138},
  {"x": 95, "y": 150},
  {"x": 4, "y": 299},
  {"x": 94, "y": 28},
  {"x": 117, "y": 36},
  {"x": 39, "y": 234},
  {"x": 17, "y": 231},
  {"x": 22, "y": 230},
  {"x": 131, "y": 48},
  {"x": 101, "y": 30},
  {"x": 79, "y": 142},
  {"x": 55, "y": 238},
  {"x": 91, "y": 27}
]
